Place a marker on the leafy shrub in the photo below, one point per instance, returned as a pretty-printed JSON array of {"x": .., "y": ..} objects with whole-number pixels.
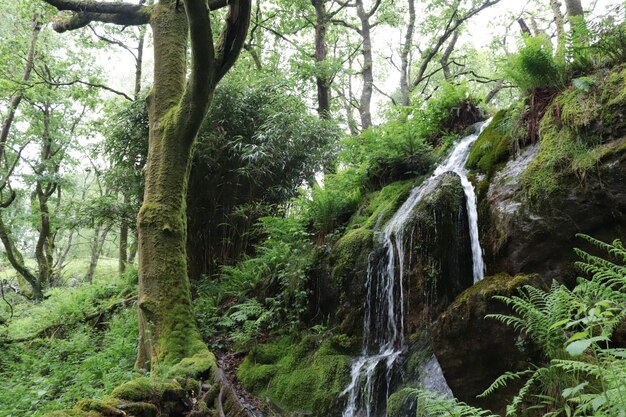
[
  {"x": 262, "y": 293},
  {"x": 534, "y": 68}
]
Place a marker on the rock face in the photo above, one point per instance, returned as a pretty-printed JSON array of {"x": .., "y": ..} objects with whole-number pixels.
[
  {"x": 439, "y": 256},
  {"x": 521, "y": 239},
  {"x": 473, "y": 350}
]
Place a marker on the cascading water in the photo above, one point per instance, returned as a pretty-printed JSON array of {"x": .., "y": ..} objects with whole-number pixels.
[{"x": 383, "y": 324}]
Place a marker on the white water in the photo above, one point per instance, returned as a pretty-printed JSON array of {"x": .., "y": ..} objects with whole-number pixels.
[{"x": 383, "y": 338}]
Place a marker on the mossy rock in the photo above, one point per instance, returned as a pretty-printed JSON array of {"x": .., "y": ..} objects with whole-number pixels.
[
  {"x": 493, "y": 146},
  {"x": 349, "y": 255},
  {"x": 307, "y": 377},
  {"x": 73, "y": 413},
  {"x": 402, "y": 403},
  {"x": 463, "y": 332},
  {"x": 575, "y": 134},
  {"x": 146, "y": 389}
]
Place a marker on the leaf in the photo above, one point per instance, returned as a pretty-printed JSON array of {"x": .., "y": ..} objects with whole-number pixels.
[
  {"x": 568, "y": 392},
  {"x": 578, "y": 336},
  {"x": 578, "y": 347},
  {"x": 559, "y": 323},
  {"x": 598, "y": 402}
]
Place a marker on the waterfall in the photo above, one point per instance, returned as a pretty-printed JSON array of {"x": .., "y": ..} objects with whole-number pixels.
[{"x": 383, "y": 322}]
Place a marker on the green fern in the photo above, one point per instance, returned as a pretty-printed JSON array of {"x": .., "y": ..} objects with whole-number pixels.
[
  {"x": 583, "y": 376},
  {"x": 433, "y": 405}
]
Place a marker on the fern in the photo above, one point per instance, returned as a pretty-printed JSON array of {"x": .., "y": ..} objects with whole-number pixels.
[
  {"x": 503, "y": 380},
  {"x": 433, "y": 405},
  {"x": 591, "y": 379}
]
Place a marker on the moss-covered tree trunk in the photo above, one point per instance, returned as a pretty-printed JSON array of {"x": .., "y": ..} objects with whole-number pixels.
[
  {"x": 167, "y": 329},
  {"x": 177, "y": 104}
]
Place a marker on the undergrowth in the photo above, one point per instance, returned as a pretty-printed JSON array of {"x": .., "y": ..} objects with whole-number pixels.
[{"x": 73, "y": 359}]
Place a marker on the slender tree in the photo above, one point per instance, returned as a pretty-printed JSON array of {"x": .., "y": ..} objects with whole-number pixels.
[{"x": 177, "y": 105}]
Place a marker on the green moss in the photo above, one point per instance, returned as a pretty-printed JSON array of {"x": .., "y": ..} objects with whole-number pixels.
[
  {"x": 73, "y": 413},
  {"x": 255, "y": 376},
  {"x": 576, "y": 132},
  {"x": 144, "y": 389},
  {"x": 492, "y": 147},
  {"x": 140, "y": 409},
  {"x": 107, "y": 407},
  {"x": 350, "y": 252},
  {"x": 476, "y": 298},
  {"x": 384, "y": 203},
  {"x": 402, "y": 403},
  {"x": 199, "y": 365},
  {"x": 307, "y": 376}
]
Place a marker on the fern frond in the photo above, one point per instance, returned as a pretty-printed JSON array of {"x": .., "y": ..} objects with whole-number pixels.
[{"x": 503, "y": 380}]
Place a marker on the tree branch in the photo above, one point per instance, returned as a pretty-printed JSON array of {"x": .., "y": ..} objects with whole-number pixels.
[
  {"x": 81, "y": 19},
  {"x": 233, "y": 36},
  {"x": 91, "y": 6}
]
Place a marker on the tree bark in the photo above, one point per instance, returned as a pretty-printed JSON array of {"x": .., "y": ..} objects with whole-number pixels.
[
  {"x": 404, "y": 56},
  {"x": 368, "y": 66},
  {"x": 97, "y": 243},
  {"x": 445, "y": 58},
  {"x": 321, "y": 54},
  {"x": 576, "y": 16},
  {"x": 177, "y": 105},
  {"x": 560, "y": 31}
]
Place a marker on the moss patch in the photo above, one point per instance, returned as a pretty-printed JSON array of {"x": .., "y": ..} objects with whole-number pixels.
[
  {"x": 577, "y": 133},
  {"x": 349, "y": 255},
  {"x": 477, "y": 298},
  {"x": 402, "y": 403},
  {"x": 305, "y": 376},
  {"x": 492, "y": 147}
]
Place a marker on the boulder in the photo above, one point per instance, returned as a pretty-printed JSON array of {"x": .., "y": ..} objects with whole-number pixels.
[{"x": 473, "y": 350}]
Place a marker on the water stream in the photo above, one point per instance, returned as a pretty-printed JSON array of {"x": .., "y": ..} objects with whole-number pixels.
[{"x": 383, "y": 323}]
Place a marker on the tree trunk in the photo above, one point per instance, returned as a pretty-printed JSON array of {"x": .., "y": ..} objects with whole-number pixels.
[
  {"x": 97, "y": 243},
  {"x": 167, "y": 331},
  {"x": 560, "y": 31},
  {"x": 16, "y": 259},
  {"x": 404, "y": 56},
  {"x": 576, "y": 16},
  {"x": 44, "y": 189},
  {"x": 16, "y": 99},
  {"x": 445, "y": 58},
  {"x": 368, "y": 67},
  {"x": 123, "y": 250},
  {"x": 321, "y": 54}
]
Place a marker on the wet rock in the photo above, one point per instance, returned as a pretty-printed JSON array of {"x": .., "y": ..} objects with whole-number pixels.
[
  {"x": 520, "y": 238},
  {"x": 473, "y": 350},
  {"x": 438, "y": 254}
]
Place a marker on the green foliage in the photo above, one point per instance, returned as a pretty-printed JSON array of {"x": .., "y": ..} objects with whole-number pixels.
[
  {"x": 534, "y": 68},
  {"x": 432, "y": 405},
  {"x": 64, "y": 306},
  {"x": 402, "y": 148},
  {"x": 583, "y": 375},
  {"x": 266, "y": 292},
  {"x": 50, "y": 374},
  {"x": 332, "y": 205},
  {"x": 257, "y": 146},
  {"x": 299, "y": 376},
  {"x": 577, "y": 131},
  {"x": 493, "y": 146}
]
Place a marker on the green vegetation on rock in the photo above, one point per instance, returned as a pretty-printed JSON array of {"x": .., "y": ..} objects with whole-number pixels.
[
  {"x": 578, "y": 130},
  {"x": 298, "y": 376},
  {"x": 492, "y": 147}
]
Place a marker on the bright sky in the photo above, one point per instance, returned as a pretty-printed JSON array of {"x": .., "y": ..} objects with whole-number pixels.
[{"x": 482, "y": 28}]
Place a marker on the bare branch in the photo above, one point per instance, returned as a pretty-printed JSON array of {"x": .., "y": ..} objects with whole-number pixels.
[{"x": 81, "y": 19}]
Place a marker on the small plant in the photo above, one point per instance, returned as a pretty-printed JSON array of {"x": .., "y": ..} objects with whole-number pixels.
[{"x": 534, "y": 68}]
